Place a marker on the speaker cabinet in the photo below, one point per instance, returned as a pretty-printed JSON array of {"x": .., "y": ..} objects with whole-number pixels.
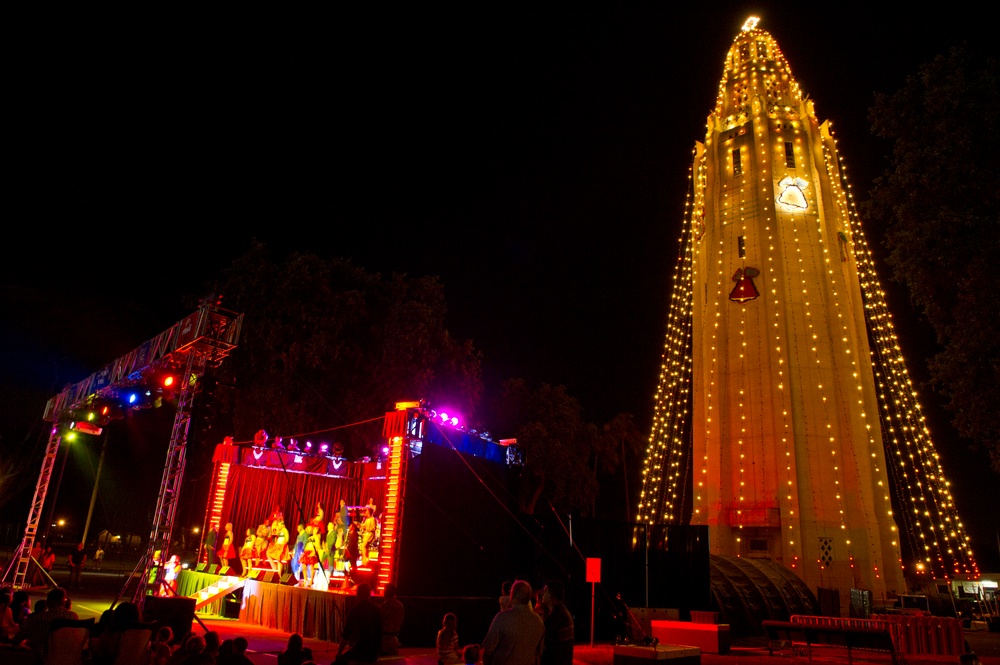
[
  {"x": 213, "y": 569},
  {"x": 231, "y": 608},
  {"x": 226, "y": 570},
  {"x": 288, "y": 579},
  {"x": 178, "y": 613},
  {"x": 270, "y": 576},
  {"x": 201, "y": 567}
]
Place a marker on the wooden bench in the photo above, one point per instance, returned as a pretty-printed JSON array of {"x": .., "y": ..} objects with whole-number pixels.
[{"x": 797, "y": 635}]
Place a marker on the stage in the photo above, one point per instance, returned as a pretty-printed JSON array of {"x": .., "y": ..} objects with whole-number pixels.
[{"x": 291, "y": 609}]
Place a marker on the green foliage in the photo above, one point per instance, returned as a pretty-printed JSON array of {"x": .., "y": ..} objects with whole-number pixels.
[
  {"x": 326, "y": 345},
  {"x": 563, "y": 453},
  {"x": 940, "y": 203}
]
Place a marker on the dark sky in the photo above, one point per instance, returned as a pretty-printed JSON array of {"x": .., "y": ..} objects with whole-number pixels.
[{"x": 536, "y": 160}]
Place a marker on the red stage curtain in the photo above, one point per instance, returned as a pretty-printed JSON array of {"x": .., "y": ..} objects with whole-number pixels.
[{"x": 252, "y": 493}]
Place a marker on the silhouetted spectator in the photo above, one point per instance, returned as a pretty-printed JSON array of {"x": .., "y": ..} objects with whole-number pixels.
[
  {"x": 559, "y": 629},
  {"x": 516, "y": 636},
  {"x": 34, "y": 629},
  {"x": 392, "y": 621},
  {"x": 362, "y": 636},
  {"x": 295, "y": 652}
]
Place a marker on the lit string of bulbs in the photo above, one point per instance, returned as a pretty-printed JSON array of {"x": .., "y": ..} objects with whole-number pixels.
[{"x": 944, "y": 548}]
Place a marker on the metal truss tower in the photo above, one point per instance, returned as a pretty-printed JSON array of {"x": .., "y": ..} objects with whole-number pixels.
[{"x": 196, "y": 343}]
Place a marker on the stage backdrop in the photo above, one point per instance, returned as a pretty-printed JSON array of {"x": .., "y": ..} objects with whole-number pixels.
[{"x": 254, "y": 491}]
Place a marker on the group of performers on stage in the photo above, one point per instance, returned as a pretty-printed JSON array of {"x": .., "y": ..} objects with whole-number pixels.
[{"x": 321, "y": 550}]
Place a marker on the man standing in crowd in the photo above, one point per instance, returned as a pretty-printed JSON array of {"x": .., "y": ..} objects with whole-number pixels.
[
  {"x": 76, "y": 560},
  {"x": 559, "y": 629},
  {"x": 392, "y": 621},
  {"x": 362, "y": 637},
  {"x": 516, "y": 636}
]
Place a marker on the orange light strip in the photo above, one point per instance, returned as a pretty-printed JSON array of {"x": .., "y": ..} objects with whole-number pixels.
[
  {"x": 218, "y": 496},
  {"x": 391, "y": 516}
]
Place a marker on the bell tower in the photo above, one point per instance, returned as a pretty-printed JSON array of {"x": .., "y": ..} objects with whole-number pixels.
[{"x": 784, "y": 418}]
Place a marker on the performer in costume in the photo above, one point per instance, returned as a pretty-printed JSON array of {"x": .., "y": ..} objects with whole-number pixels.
[
  {"x": 345, "y": 516},
  {"x": 260, "y": 542},
  {"x": 368, "y": 528},
  {"x": 300, "y": 545},
  {"x": 248, "y": 552},
  {"x": 318, "y": 519},
  {"x": 277, "y": 548},
  {"x": 351, "y": 554},
  {"x": 227, "y": 550},
  {"x": 334, "y": 544},
  {"x": 309, "y": 558}
]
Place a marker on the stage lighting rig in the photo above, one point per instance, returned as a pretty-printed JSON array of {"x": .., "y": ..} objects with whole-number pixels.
[{"x": 86, "y": 427}]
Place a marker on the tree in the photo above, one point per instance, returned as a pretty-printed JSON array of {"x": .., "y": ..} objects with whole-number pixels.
[
  {"x": 563, "y": 453},
  {"x": 327, "y": 348},
  {"x": 940, "y": 203}
]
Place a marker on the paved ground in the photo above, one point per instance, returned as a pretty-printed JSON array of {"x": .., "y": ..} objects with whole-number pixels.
[{"x": 100, "y": 589}]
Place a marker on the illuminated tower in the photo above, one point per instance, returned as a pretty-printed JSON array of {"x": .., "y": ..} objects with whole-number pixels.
[{"x": 784, "y": 417}]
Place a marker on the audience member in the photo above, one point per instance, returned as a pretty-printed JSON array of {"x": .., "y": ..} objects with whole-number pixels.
[
  {"x": 505, "y": 595},
  {"x": 20, "y": 606},
  {"x": 160, "y": 649},
  {"x": 362, "y": 635},
  {"x": 193, "y": 645},
  {"x": 240, "y": 646},
  {"x": 392, "y": 621},
  {"x": 36, "y": 563},
  {"x": 104, "y": 648},
  {"x": 227, "y": 653},
  {"x": 559, "y": 629},
  {"x": 470, "y": 654},
  {"x": 48, "y": 561},
  {"x": 76, "y": 560},
  {"x": 447, "y": 641},
  {"x": 8, "y": 629},
  {"x": 516, "y": 636},
  {"x": 212, "y": 643},
  {"x": 34, "y": 629},
  {"x": 295, "y": 653}
]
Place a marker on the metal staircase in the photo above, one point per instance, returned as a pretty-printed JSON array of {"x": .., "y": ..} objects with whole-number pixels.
[{"x": 223, "y": 586}]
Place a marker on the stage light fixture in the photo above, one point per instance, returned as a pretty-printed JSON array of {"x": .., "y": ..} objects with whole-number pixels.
[
  {"x": 292, "y": 444},
  {"x": 323, "y": 447},
  {"x": 309, "y": 445},
  {"x": 85, "y": 427},
  {"x": 279, "y": 443}
]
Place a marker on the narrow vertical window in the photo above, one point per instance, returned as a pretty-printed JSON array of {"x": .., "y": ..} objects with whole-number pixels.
[
  {"x": 789, "y": 155},
  {"x": 737, "y": 162}
]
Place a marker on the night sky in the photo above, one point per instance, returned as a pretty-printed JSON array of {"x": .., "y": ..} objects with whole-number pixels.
[{"x": 536, "y": 161}]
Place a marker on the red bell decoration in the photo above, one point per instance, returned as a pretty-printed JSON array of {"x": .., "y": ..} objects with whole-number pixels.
[{"x": 745, "y": 290}]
